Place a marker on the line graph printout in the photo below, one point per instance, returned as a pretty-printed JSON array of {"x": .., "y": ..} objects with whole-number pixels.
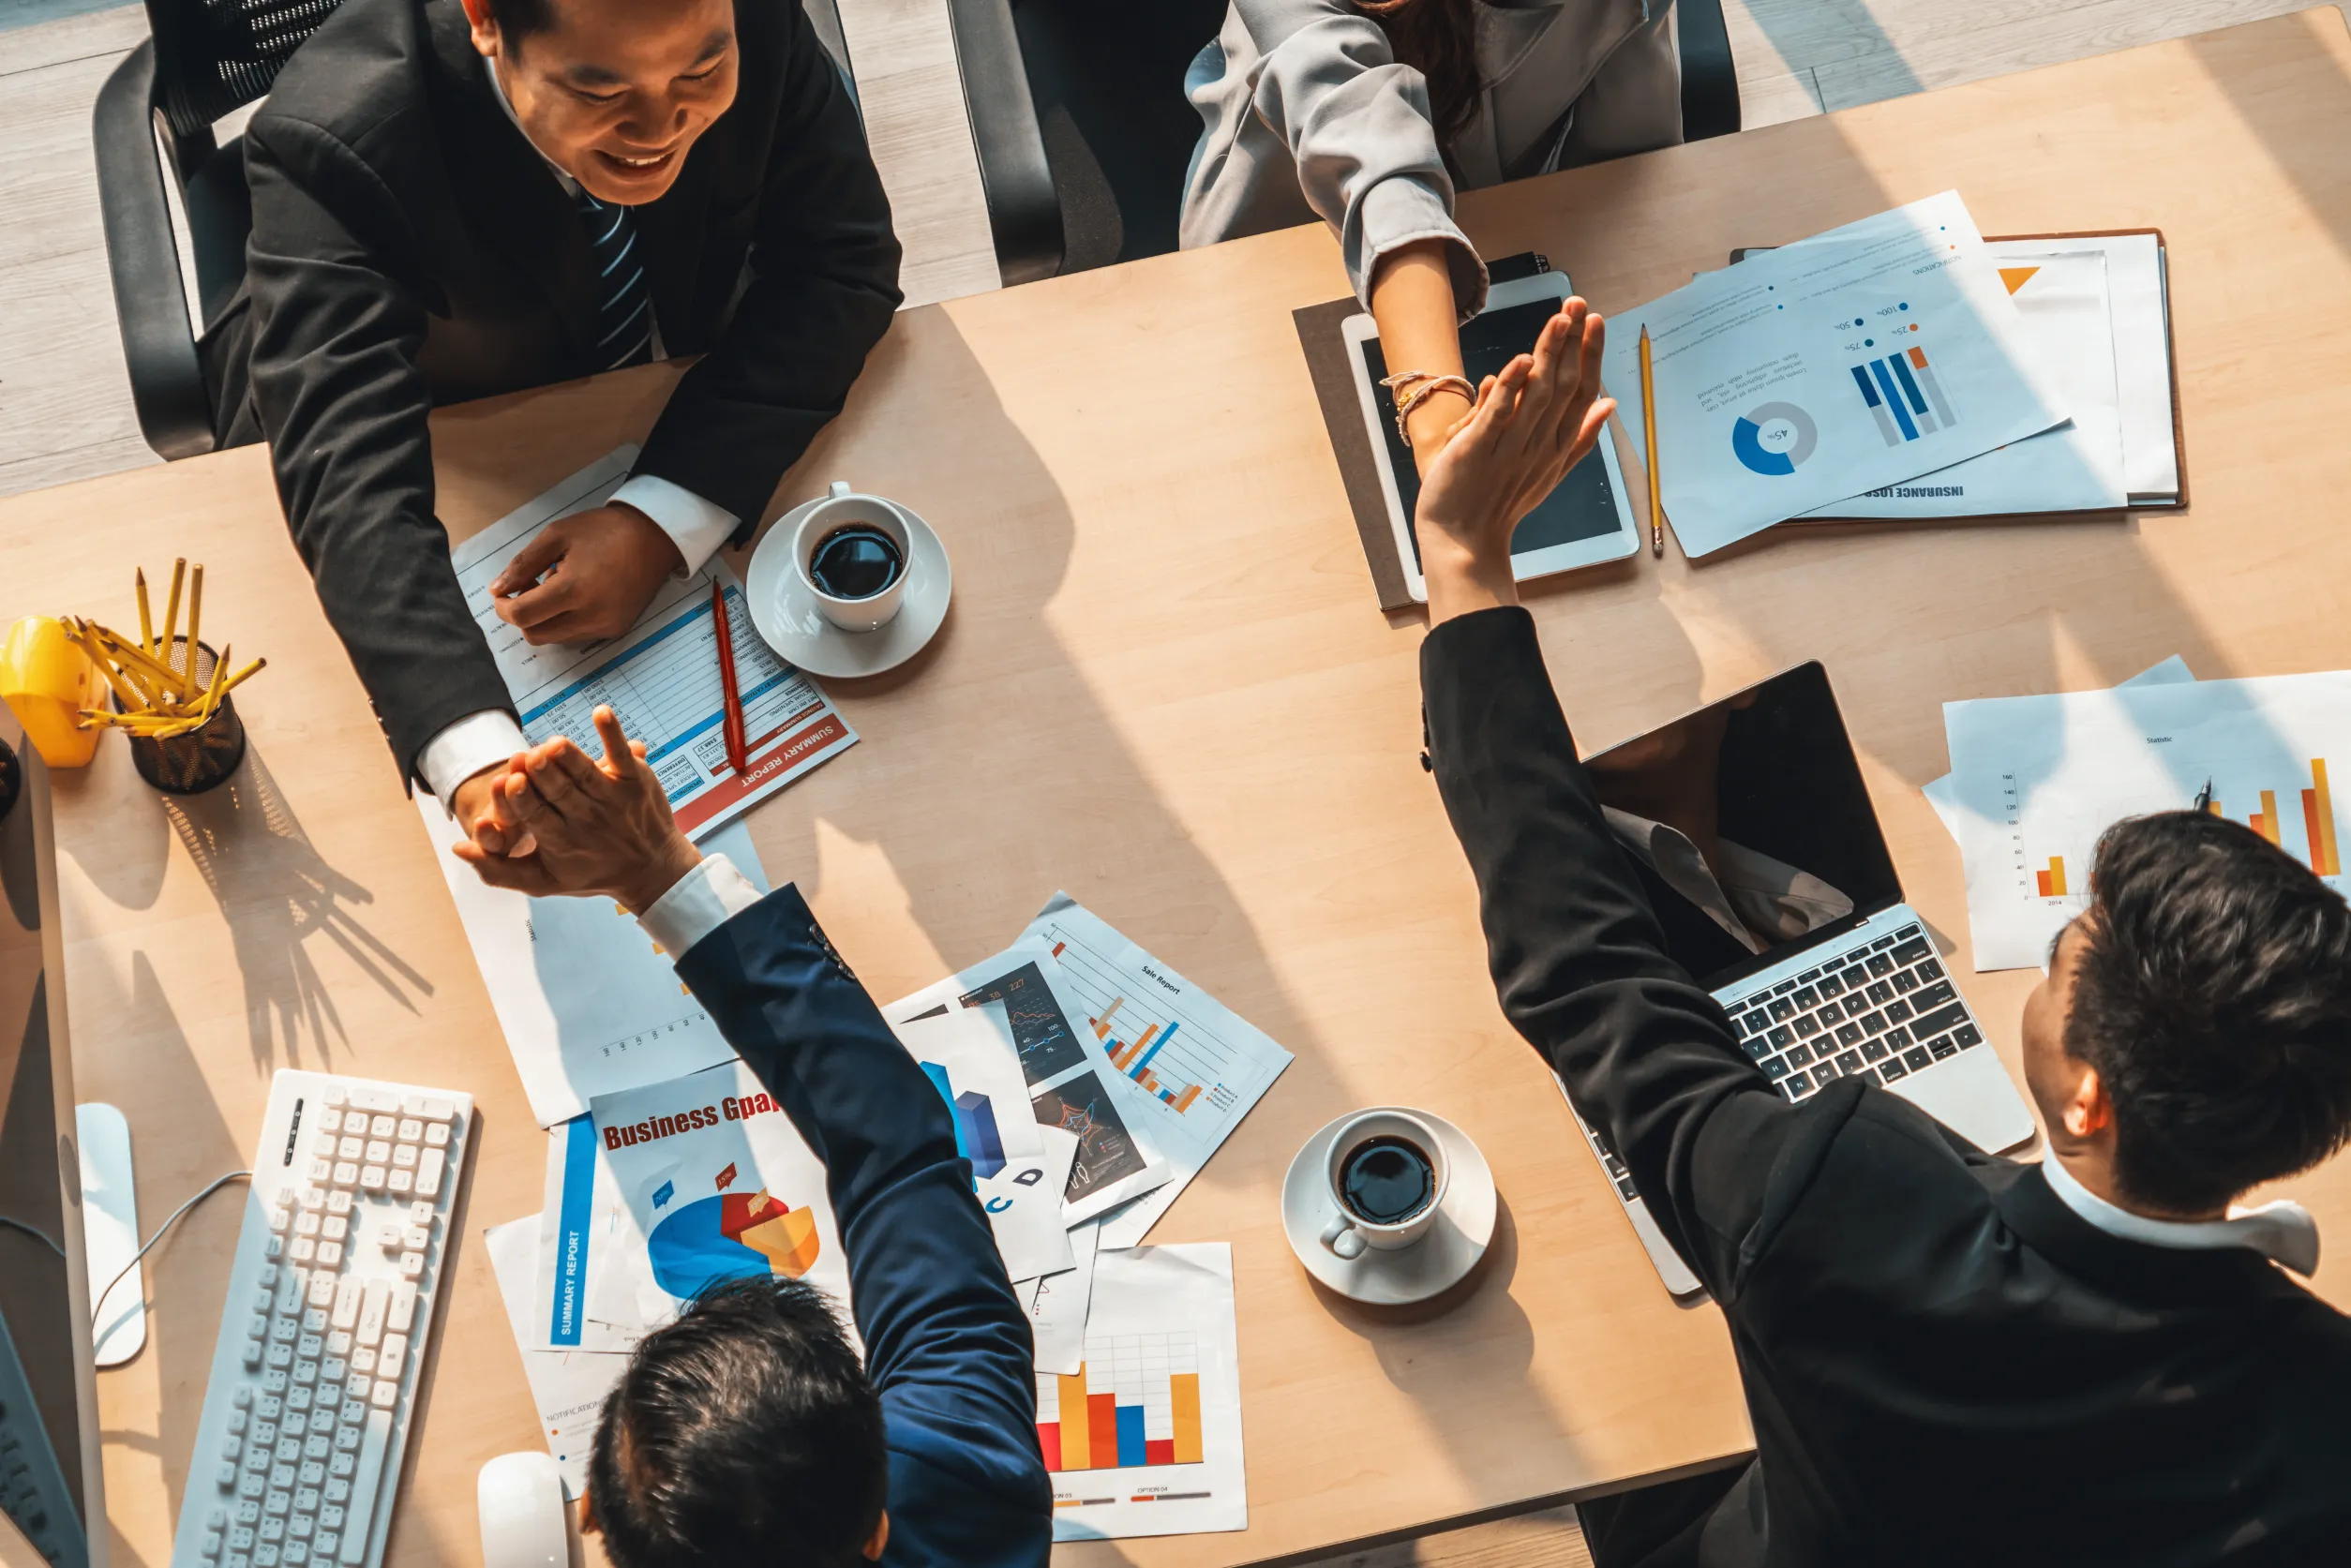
[
  {"x": 1144, "y": 1437},
  {"x": 2035, "y": 780},
  {"x": 662, "y": 677},
  {"x": 1199, "y": 1067}
]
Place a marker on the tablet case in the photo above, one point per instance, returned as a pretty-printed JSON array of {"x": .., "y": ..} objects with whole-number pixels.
[{"x": 1343, "y": 416}]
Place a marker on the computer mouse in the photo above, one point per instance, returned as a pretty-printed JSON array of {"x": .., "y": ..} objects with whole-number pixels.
[{"x": 525, "y": 1523}]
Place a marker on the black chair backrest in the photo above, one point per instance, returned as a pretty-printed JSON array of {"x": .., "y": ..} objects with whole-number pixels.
[{"x": 213, "y": 57}]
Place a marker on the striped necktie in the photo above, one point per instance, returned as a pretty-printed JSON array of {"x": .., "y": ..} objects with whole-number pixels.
[{"x": 625, "y": 316}]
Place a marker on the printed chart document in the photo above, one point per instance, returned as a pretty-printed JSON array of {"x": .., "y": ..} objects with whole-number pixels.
[
  {"x": 1057, "y": 1304},
  {"x": 1865, "y": 356},
  {"x": 2037, "y": 779},
  {"x": 1199, "y": 1067},
  {"x": 1937, "y": 791},
  {"x": 714, "y": 1182},
  {"x": 1019, "y": 1169},
  {"x": 1144, "y": 1438},
  {"x": 2063, "y": 299},
  {"x": 589, "y": 1005},
  {"x": 567, "y": 1386},
  {"x": 661, "y": 678},
  {"x": 1069, "y": 1086},
  {"x": 585, "y": 1235}
]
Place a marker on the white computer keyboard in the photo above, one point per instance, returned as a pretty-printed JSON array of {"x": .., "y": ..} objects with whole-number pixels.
[{"x": 298, "y": 1454}]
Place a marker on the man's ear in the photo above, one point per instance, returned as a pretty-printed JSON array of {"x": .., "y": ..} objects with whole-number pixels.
[
  {"x": 879, "y": 1540},
  {"x": 484, "y": 25},
  {"x": 2088, "y": 1111},
  {"x": 588, "y": 1525}
]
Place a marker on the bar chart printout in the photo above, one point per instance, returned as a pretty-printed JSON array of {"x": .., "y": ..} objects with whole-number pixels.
[
  {"x": 1144, "y": 1438},
  {"x": 2036, "y": 780},
  {"x": 1193, "y": 1068}
]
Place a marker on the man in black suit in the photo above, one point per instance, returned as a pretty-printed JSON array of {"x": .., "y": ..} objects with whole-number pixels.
[
  {"x": 453, "y": 201},
  {"x": 1948, "y": 1357}
]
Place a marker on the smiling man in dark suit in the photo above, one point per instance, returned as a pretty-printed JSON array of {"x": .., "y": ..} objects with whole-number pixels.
[{"x": 453, "y": 198}]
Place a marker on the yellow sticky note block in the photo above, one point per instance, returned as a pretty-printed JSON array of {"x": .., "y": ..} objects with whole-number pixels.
[{"x": 47, "y": 680}]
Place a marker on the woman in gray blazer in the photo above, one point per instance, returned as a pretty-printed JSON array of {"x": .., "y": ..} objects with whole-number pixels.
[{"x": 1370, "y": 114}]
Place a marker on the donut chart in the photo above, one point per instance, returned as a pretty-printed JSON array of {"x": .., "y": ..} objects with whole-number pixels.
[{"x": 1788, "y": 430}]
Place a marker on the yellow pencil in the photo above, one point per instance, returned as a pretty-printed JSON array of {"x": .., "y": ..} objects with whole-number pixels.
[
  {"x": 146, "y": 620},
  {"x": 238, "y": 679},
  {"x": 211, "y": 703},
  {"x": 195, "y": 618},
  {"x": 150, "y": 670},
  {"x": 78, "y": 631},
  {"x": 171, "y": 607},
  {"x": 1649, "y": 443}
]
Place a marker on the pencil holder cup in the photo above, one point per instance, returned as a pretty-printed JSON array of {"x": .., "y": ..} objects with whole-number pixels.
[{"x": 205, "y": 757}]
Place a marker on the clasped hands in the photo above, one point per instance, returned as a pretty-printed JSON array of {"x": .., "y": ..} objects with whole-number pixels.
[{"x": 590, "y": 826}]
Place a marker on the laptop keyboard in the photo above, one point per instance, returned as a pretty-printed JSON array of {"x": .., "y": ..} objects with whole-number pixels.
[{"x": 1881, "y": 1010}]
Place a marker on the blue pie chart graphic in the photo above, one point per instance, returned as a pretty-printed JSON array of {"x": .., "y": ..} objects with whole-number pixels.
[
  {"x": 691, "y": 1252},
  {"x": 1774, "y": 437}
]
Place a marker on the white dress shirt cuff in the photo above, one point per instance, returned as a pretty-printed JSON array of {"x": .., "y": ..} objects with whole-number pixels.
[
  {"x": 697, "y": 526},
  {"x": 485, "y": 740},
  {"x": 697, "y": 903}
]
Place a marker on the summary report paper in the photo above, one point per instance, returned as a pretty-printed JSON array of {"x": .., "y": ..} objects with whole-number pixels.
[{"x": 1859, "y": 358}]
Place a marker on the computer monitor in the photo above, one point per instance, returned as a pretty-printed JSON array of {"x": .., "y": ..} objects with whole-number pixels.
[
  {"x": 1770, "y": 769},
  {"x": 50, "y": 1491}
]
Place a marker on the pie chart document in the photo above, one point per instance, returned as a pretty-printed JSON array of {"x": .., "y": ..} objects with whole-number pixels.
[{"x": 1856, "y": 360}]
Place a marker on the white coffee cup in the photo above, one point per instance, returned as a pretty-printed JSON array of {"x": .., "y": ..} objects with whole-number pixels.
[
  {"x": 1348, "y": 1232},
  {"x": 843, "y": 508}
]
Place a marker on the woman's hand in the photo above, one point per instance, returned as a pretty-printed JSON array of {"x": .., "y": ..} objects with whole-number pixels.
[
  {"x": 602, "y": 828},
  {"x": 1532, "y": 423}
]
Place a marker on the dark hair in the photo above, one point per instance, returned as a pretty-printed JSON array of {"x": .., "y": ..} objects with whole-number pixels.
[
  {"x": 744, "y": 1432},
  {"x": 2213, "y": 995},
  {"x": 1438, "y": 39},
  {"x": 518, "y": 19}
]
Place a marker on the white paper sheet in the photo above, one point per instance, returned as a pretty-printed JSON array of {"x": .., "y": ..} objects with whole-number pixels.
[
  {"x": 584, "y": 1235},
  {"x": 1776, "y": 380},
  {"x": 1160, "y": 1339},
  {"x": 2067, "y": 309},
  {"x": 1056, "y": 1304},
  {"x": 1069, "y": 1086},
  {"x": 2142, "y": 353},
  {"x": 1199, "y": 1067},
  {"x": 1937, "y": 791},
  {"x": 714, "y": 1182},
  {"x": 567, "y": 1386},
  {"x": 662, "y": 677},
  {"x": 2036, "y": 779},
  {"x": 588, "y": 1003}
]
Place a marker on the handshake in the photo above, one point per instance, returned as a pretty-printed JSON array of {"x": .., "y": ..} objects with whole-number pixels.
[{"x": 585, "y": 828}]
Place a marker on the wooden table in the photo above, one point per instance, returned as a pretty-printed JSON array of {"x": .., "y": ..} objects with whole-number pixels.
[{"x": 1164, "y": 688}]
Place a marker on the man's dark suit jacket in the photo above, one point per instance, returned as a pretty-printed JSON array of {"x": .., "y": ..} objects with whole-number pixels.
[
  {"x": 1943, "y": 1364},
  {"x": 947, "y": 1344},
  {"x": 411, "y": 249}
]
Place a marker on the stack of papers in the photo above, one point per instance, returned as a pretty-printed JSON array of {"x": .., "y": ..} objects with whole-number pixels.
[
  {"x": 1903, "y": 366},
  {"x": 1088, "y": 1082}
]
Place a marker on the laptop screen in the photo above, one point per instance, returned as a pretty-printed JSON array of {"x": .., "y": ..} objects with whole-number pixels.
[{"x": 1763, "y": 785}]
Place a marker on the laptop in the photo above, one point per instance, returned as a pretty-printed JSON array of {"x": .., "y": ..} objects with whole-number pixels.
[{"x": 1795, "y": 918}]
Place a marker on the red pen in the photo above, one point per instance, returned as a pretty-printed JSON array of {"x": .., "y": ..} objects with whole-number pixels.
[{"x": 738, "y": 749}]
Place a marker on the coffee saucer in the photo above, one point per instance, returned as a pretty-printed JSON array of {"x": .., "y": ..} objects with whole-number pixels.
[
  {"x": 785, "y": 610},
  {"x": 1443, "y": 1257}
]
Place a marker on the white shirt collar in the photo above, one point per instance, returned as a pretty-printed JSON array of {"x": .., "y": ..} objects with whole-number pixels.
[
  {"x": 1751, "y": 893},
  {"x": 2282, "y": 1230}
]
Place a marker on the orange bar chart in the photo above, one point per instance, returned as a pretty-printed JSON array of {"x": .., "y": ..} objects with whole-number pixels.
[
  {"x": 2318, "y": 820},
  {"x": 1183, "y": 1389},
  {"x": 2264, "y": 821},
  {"x": 2052, "y": 882}
]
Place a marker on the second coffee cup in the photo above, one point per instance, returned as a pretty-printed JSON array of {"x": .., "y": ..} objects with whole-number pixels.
[
  {"x": 851, "y": 553},
  {"x": 1387, "y": 1175}
]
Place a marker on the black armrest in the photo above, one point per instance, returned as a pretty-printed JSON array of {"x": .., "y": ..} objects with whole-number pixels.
[
  {"x": 1023, "y": 210},
  {"x": 166, "y": 383},
  {"x": 1710, "y": 78}
]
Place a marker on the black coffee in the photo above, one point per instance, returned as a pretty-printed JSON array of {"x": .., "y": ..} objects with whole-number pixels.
[
  {"x": 855, "y": 562},
  {"x": 1386, "y": 1180}
]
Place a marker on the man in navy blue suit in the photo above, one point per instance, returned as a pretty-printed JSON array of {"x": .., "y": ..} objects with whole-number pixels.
[{"x": 747, "y": 1431}]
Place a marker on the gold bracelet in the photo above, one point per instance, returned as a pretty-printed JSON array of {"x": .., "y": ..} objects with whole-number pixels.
[{"x": 1425, "y": 385}]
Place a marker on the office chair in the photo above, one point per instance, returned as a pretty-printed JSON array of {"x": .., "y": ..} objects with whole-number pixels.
[
  {"x": 154, "y": 120},
  {"x": 1085, "y": 136}
]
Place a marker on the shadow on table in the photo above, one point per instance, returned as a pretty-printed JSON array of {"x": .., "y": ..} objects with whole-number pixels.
[{"x": 276, "y": 892}]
